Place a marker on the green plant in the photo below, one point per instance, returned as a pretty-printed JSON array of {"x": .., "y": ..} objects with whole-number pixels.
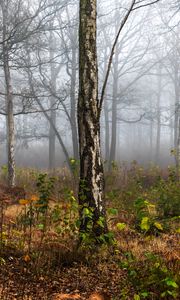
[
  {"x": 64, "y": 217},
  {"x": 4, "y": 173},
  {"x": 150, "y": 278},
  {"x": 45, "y": 187},
  {"x": 168, "y": 198},
  {"x": 145, "y": 219},
  {"x": 74, "y": 166}
]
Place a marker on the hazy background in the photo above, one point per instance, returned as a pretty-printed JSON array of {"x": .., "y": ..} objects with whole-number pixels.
[{"x": 142, "y": 95}]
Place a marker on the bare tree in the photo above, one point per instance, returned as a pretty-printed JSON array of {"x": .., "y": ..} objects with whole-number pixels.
[
  {"x": 9, "y": 96},
  {"x": 158, "y": 135},
  {"x": 21, "y": 21}
]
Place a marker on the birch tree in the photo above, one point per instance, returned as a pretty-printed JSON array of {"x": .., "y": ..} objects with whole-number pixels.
[{"x": 91, "y": 184}]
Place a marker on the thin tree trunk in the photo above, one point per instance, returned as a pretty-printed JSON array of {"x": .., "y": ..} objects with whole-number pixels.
[
  {"x": 52, "y": 124},
  {"x": 106, "y": 117},
  {"x": 176, "y": 123},
  {"x": 112, "y": 155},
  {"x": 73, "y": 105},
  {"x": 91, "y": 185},
  {"x": 49, "y": 120},
  {"x": 158, "y": 134},
  {"x": 9, "y": 102},
  {"x": 107, "y": 132},
  {"x": 178, "y": 151},
  {"x": 151, "y": 140},
  {"x": 171, "y": 140},
  {"x": 52, "y": 137}
]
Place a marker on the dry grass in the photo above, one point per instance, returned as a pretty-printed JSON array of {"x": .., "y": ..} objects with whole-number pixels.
[
  {"x": 50, "y": 247},
  {"x": 12, "y": 211},
  {"x": 93, "y": 296},
  {"x": 66, "y": 297}
]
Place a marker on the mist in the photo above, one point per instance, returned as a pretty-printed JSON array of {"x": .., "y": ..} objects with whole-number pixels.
[{"x": 140, "y": 114}]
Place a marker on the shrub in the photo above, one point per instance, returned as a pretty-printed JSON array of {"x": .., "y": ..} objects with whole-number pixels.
[
  {"x": 169, "y": 198},
  {"x": 151, "y": 278}
]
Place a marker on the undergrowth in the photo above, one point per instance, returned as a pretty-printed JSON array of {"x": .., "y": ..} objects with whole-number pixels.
[{"x": 41, "y": 231}]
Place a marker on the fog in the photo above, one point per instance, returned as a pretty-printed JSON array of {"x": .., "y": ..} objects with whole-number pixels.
[{"x": 141, "y": 109}]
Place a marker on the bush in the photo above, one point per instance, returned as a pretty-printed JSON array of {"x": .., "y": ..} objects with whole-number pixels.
[
  {"x": 151, "y": 278},
  {"x": 169, "y": 198}
]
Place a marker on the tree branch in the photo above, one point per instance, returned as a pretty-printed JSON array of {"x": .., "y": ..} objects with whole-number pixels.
[
  {"x": 132, "y": 8},
  {"x": 131, "y": 121},
  {"x": 143, "y": 5},
  {"x": 112, "y": 53}
]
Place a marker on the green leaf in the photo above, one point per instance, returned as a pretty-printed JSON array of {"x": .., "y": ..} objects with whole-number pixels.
[
  {"x": 163, "y": 294},
  {"x": 136, "y": 297},
  {"x": 110, "y": 237},
  {"x": 172, "y": 293},
  {"x": 133, "y": 273},
  {"x": 139, "y": 203},
  {"x": 171, "y": 282},
  {"x": 86, "y": 211},
  {"x": 145, "y": 225},
  {"x": 112, "y": 211},
  {"x": 120, "y": 226},
  {"x": 158, "y": 225},
  {"x": 150, "y": 205},
  {"x": 78, "y": 223},
  {"x": 100, "y": 222},
  {"x": 40, "y": 226},
  {"x": 144, "y": 294},
  {"x": 2, "y": 261}
]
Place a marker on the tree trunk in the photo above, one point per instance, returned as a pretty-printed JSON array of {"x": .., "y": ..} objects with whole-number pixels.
[
  {"x": 73, "y": 104},
  {"x": 178, "y": 151},
  {"x": 176, "y": 122},
  {"x": 106, "y": 119},
  {"x": 112, "y": 155},
  {"x": 52, "y": 124},
  {"x": 52, "y": 137},
  {"x": 9, "y": 101},
  {"x": 30, "y": 79},
  {"x": 91, "y": 185},
  {"x": 158, "y": 134},
  {"x": 171, "y": 139}
]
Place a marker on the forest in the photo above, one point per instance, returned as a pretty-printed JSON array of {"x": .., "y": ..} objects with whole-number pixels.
[{"x": 89, "y": 149}]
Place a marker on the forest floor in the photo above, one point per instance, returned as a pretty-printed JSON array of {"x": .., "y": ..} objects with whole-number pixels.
[{"x": 38, "y": 254}]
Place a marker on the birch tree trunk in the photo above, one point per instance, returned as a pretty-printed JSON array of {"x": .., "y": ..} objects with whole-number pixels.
[
  {"x": 91, "y": 185},
  {"x": 9, "y": 100}
]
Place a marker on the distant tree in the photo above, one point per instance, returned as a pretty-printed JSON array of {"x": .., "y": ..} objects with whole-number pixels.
[
  {"x": 69, "y": 38},
  {"x": 20, "y": 22},
  {"x": 171, "y": 65},
  {"x": 9, "y": 96},
  {"x": 158, "y": 135}
]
